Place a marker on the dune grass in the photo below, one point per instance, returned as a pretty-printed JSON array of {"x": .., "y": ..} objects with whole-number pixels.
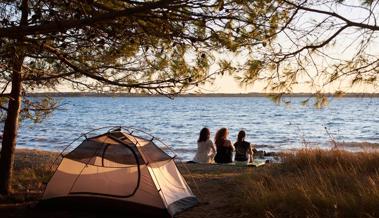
[
  {"x": 312, "y": 183},
  {"x": 308, "y": 183},
  {"x": 32, "y": 170}
]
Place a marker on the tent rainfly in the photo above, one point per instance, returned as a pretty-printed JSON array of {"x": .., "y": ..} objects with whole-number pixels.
[{"x": 119, "y": 169}]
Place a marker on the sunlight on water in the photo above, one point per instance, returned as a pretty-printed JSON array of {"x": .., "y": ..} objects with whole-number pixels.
[{"x": 178, "y": 121}]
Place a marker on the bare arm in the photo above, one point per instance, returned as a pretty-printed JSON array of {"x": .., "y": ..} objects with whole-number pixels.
[
  {"x": 213, "y": 146},
  {"x": 251, "y": 153},
  {"x": 250, "y": 150},
  {"x": 231, "y": 145}
]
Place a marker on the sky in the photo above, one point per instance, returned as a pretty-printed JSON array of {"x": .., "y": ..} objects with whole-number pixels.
[
  {"x": 343, "y": 48},
  {"x": 227, "y": 84}
]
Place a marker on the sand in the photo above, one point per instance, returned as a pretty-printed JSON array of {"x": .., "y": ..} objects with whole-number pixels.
[{"x": 208, "y": 182}]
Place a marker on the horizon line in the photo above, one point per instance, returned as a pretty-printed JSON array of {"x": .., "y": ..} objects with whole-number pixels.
[{"x": 249, "y": 94}]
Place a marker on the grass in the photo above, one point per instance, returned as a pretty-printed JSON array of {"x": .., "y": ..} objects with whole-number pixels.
[
  {"x": 308, "y": 183},
  {"x": 312, "y": 183},
  {"x": 32, "y": 171}
]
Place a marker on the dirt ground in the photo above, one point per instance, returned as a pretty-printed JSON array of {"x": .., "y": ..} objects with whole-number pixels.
[
  {"x": 212, "y": 184},
  {"x": 215, "y": 189}
]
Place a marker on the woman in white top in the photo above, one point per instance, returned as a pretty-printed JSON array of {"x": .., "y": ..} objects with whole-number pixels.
[{"x": 206, "y": 150}]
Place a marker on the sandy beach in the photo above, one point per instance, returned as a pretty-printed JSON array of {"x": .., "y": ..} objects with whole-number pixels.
[
  {"x": 320, "y": 183},
  {"x": 33, "y": 169}
]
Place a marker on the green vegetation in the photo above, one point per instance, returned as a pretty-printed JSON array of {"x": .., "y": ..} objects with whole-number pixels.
[
  {"x": 170, "y": 47},
  {"x": 308, "y": 183},
  {"x": 33, "y": 170},
  {"x": 312, "y": 183},
  {"x": 146, "y": 47}
]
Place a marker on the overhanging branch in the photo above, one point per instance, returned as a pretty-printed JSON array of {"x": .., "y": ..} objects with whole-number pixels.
[
  {"x": 153, "y": 85},
  {"x": 62, "y": 26},
  {"x": 348, "y": 22}
]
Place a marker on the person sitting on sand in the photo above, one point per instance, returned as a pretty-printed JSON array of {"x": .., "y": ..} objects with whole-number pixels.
[
  {"x": 224, "y": 147},
  {"x": 206, "y": 150},
  {"x": 244, "y": 153}
]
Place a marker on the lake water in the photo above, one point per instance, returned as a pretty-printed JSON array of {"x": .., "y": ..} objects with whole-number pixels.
[{"x": 178, "y": 122}]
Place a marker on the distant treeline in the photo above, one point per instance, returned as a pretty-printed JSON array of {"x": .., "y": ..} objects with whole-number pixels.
[{"x": 252, "y": 94}]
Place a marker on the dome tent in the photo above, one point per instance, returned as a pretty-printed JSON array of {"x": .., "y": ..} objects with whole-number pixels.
[{"x": 123, "y": 170}]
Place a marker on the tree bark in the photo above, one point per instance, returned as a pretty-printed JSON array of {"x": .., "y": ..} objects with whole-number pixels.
[
  {"x": 64, "y": 25},
  {"x": 10, "y": 128},
  {"x": 8, "y": 146}
]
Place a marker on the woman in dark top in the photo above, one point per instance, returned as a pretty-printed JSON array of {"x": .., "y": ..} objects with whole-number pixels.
[
  {"x": 244, "y": 154},
  {"x": 224, "y": 147}
]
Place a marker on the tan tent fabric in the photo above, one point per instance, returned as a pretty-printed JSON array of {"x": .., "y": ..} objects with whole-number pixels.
[
  {"x": 105, "y": 145},
  {"x": 151, "y": 153},
  {"x": 105, "y": 167},
  {"x": 171, "y": 182}
]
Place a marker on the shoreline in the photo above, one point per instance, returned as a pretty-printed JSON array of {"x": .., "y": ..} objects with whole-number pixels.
[
  {"x": 263, "y": 149},
  {"x": 307, "y": 182},
  {"x": 205, "y": 95}
]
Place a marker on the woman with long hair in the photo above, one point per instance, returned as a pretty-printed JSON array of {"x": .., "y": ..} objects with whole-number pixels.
[
  {"x": 206, "y": 150},
  {"x": 224, "y": 147},
  {"x": 244, "y": 153}
]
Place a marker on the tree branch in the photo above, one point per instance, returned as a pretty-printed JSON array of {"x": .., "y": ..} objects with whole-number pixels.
[
  {"x": 348, "y": 22},
  {"x": 87, "y": 73},
  {"x": 314, "y": 46},
  {"x": 62, "y": 26}
]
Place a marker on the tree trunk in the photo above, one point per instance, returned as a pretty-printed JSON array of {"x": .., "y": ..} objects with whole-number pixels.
[
  {"x": 8, "y": 146},
  {"x": 10, "y": 128}
]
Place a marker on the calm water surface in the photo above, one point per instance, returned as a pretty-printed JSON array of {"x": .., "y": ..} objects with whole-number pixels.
[{"x": 179, "y": 121}]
